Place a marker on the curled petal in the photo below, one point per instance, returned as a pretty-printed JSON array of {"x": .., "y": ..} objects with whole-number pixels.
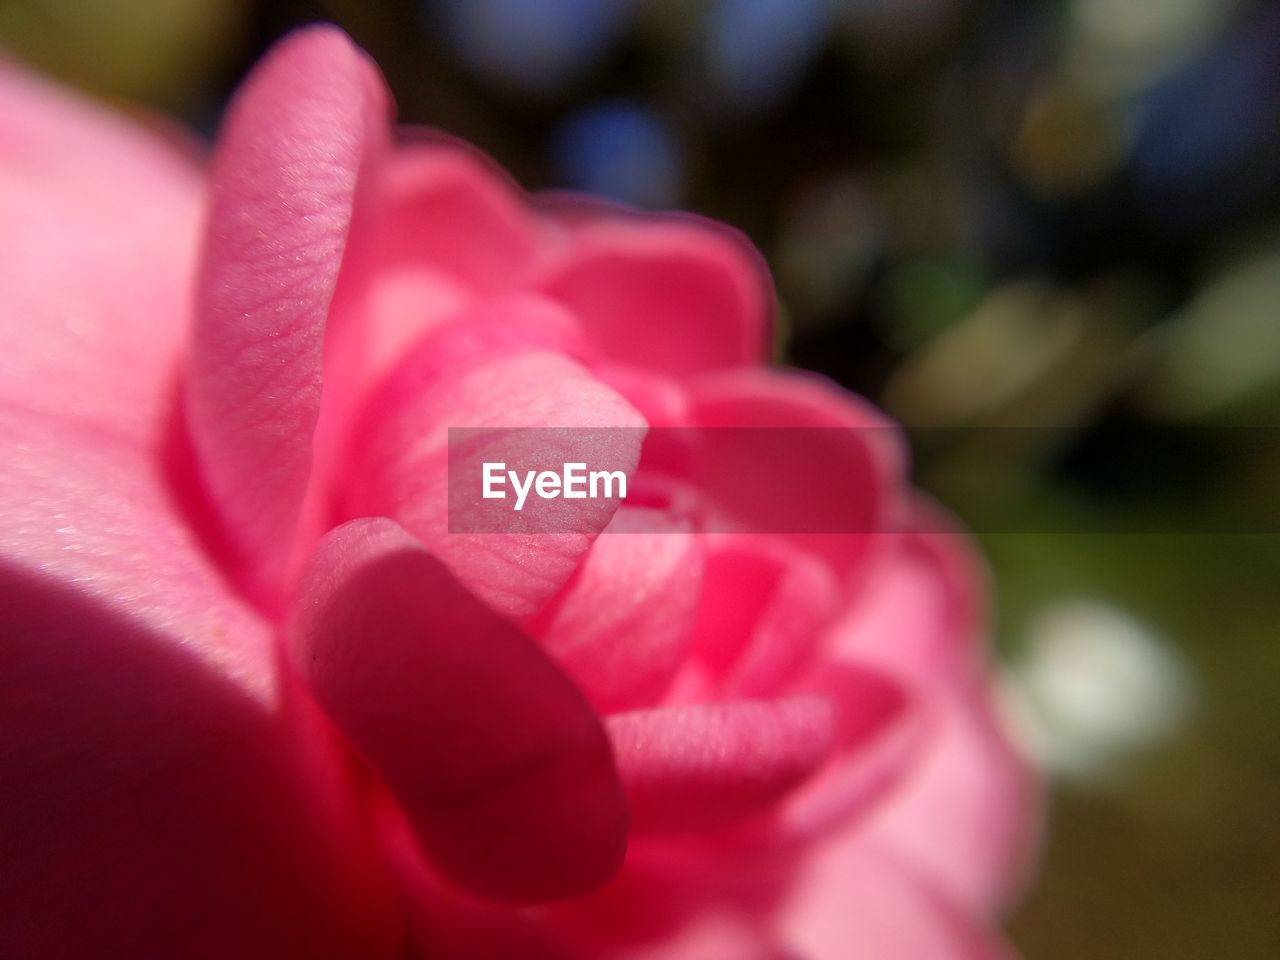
[
  {"x": 448, "y": 921},
  {"x": 284, "y": 185},
  {"x": 699, "y": 766},
  {"x": 502, "y": 769}
]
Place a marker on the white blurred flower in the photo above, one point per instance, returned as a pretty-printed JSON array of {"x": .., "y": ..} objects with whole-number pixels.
[{"x": 1094, "y": 686}]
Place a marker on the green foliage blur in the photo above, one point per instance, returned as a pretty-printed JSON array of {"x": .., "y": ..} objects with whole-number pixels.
[{"x": 989, "y": 217}]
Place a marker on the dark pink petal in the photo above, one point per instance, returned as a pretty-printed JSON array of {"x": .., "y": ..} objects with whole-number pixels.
[
  {"x": 446, "y": 921},
  {"x": 673, "y": 294},
  {"x": 800, "y": 457},
  {"x": 534, "y": 405},
  {"x": 284, "y": 184},
  {"x": 164, "y": 784},
  {"x": 498, "y": 762},
  {"x": 99, "y": 222},
  {"x": 699, "y": 766},
  {"x": 622, "y": 626},
  {"x": 852, "y": 899}
]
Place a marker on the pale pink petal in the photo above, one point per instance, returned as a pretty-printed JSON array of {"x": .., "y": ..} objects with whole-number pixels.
[
  {"x": 880, "y": 734},
  {"x": 284, "y": 183},
  {"x": 622, "y": 625},
  {"x": 164, "y": 786},
  {"x": 852, "y": 900},
  {"x": 700, "y": 766},
  {"x": 99, "y": 221},
  {"x": 498, "y": 762},
  {"x": 534, "y": 408},
  {"x": 967, "y": 816},
  {"x": 920, "y": 614},
  {"x": 673, "y": 294}
]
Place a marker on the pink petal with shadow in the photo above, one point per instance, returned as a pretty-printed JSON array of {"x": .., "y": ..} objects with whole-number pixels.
[
  {"x": 499, "y": 764},
  {"x": 164, "y": 784}
]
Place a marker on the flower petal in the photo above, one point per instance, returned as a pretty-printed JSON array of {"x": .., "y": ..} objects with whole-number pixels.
[
  {"x": 500, "y": 765},
  {"x": 99, "y": 222},
  {"x": 881, "y": 733},
  {"x": 853, "y": 900},
  {"x": 451, "y": 210},
  {"x": 967, "y": 815},
  {"x": 621, "y": 628},
  {"x": 674, "y": 294},
  {"x": 790, "y": 454},
  {"x": 762, "y": 609},
  {"x": 713, "y": 933},
  {"x": 699, "y": 766},
  {"x": 162, "y": 783},
  {"x": 527, "y": 403},
  {"x": 920, "y": 615},
  {"x": 447, "y": 921},
  {"x": 439, "y": 235},
  {"x": 284, "y": 184}
]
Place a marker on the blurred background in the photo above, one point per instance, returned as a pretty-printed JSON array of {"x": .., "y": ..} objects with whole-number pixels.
[{"x": 993, "y": 218}]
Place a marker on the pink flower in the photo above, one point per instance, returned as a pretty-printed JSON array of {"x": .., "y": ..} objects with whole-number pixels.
[{"x": 256, "y": 701}]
